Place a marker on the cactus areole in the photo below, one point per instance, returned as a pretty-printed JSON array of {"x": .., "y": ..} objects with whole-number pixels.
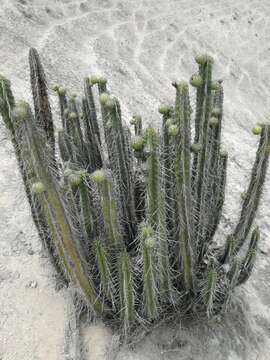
[{"x": 128, "y": 218}]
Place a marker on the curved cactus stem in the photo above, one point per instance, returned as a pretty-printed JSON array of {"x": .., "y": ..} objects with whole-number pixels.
[
  {"x": 42, "y": 106},
  {"x": 127, "y": 299},
  {"x": 249, "y": 260},
  {"x": 183, "y": 184},
  {"x": 253, "y": 195},
  {"x": 82, "y": 280},
  {"x": 228, "y": 253}
]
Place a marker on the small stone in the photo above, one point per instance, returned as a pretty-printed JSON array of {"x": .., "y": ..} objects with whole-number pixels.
[{"x": 32, "y": 284}]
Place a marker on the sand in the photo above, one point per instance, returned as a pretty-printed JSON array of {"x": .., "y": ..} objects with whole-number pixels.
[{"x": 140, "y": 46}]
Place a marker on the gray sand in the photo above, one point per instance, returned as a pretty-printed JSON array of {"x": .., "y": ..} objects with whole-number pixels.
[{"x": 140, "y": 46}]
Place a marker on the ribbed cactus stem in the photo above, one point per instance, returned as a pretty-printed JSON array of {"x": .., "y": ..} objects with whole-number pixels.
[
  {"x": 104, "y": 271},
  {"x": 109, "y": 207},
  {"x": 40, "y": 97},
  {"x": 183, "y": 184},
  {"x": 127, "y": 298},
  {"x": 62, "y": 99},
  {"x": 82, "y": 280},
  {"x": 149, "y": 278},
  {"x": 121, "y": 169},
  {"x": 211, "y": 289},
  {"x": 85, "y": 205},
  {"x": 92, "y": 107},
  {"x": 153, "y": 181},
  {"x": 249, "y": 260},
  {"x": 251, "y": 201}
]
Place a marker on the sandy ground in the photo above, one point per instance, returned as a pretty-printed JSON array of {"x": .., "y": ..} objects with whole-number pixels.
[{"x": 140, "y": 46}]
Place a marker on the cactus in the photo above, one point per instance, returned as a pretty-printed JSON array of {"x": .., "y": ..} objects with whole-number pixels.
[{"x": 129, "y": 222}]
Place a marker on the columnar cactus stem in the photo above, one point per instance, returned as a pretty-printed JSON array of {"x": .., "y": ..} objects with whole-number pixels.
[
  {"x": 183, "y": 184},
  {"x": 251, "y": 201},
  {"x": 153, "y": 180},
  {"x": 126, "y": 287},
  {"x": 149, "y": 276},
  {"x": 109, "y": 207},
  {"x": 40, "y": 96},
  {"x": 211, "y": 290},
  {"x": 104, "y": 271},
  {"x": 249, "y": 260},
  {"x": 121, "y": 169},
  {"x": 92, "y": 107}
]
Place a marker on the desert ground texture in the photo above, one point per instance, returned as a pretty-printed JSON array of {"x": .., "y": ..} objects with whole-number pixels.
[{"x": 140, "y": 46}]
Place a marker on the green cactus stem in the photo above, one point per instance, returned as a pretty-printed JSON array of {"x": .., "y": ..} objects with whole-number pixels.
[
  {"x": 109, "y": 207},
  {"x": 251, "y": 202},
  {"x": 149, "y": 278},
  {"x": 183, "y": 184},
  {"x": 126, "y": 287},
  {"x": 40, "y": 97}
]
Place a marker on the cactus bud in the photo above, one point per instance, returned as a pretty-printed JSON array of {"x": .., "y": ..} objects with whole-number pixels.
[
  {"x": 38, "y": 187},
  {"x": 257, "y": 130},
  {"x": 138, "y": 143},
  {"x": 147, "y": 232},
  {"x": 73, "y": 116},
  {"x": 203, "y": 59},
  {"x": 213, "y": 121},
  {"x": 173, "y": 130},
  {"x": 75, "y": 179},
  {"x": 196, "y": 80},
  {"x": 180, "y": 85},
  {"x": 55, "y": 88},
  {"x": 243, "y": 195},
  {"x": 196, "y": 147},
  {"x": 164, "y": 109},
  {"x": 216, "y": 112},
  {"x": 102, "y": 80},
  {"x": 169, "y": 122},
  {"x": 103, "y": 98},
  {"x": 93, "y": 79},
  {"x": 62, "y": 90},
  {"x": 150, "y": 242},
  {"x": 99, "y": 176},
  {"x": 215, "y": 85}
]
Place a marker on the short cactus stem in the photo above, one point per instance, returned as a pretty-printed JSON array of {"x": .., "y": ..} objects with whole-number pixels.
[
  {"x": 127, "y": 299},
  {"x": 109, "y": 207},
  {"x": 211, "y": 289},
  {"x": 203, "y": 59},
  {"x": 104, "y": 271},
  {"x": 136, "y": 121},
  {"x": 149, "y": 281}
]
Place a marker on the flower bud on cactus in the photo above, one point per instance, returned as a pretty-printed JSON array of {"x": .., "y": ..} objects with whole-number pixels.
[
  {"x": 38, "y": 188},
  {"x": 173, "y": 130},
  {"x": 257, "y": 130},
  {"x": 196, "y": 80}
]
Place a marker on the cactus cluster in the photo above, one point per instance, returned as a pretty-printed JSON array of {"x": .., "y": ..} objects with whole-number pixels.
[{"x": 128, "y": 217}]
